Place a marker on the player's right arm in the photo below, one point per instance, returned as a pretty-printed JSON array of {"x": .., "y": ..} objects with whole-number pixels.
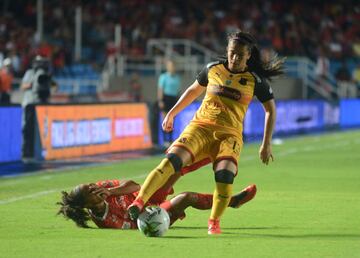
[
  {"x": 124, "y": 187},
  {"x": 192, "y": 93}
]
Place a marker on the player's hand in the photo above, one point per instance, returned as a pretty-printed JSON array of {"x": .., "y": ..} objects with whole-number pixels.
[
  {"x": 100, "y": 191},
  {"x": 265, "y": 153},
  {"x": 168, "y": 123}
]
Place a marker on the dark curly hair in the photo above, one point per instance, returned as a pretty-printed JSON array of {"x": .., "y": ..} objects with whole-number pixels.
[
  {"x": 255, "y": 64},
  {"x": 72, "y": 207}
]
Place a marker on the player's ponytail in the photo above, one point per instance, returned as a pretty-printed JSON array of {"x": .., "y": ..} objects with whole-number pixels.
[
  {"x": 255, "y": 64},
  {"x": 72, "y": 207}
]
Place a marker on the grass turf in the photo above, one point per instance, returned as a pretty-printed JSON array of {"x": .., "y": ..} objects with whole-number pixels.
[{"x": 308, "y": 205}]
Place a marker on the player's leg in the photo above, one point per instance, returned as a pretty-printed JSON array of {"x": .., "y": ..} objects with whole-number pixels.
[
  {"x": 225, "y": 168},
  {"x": 181, "y": 153},
  {"x": 176, "y": 206},
  {"x": 173, "y": 163},
  {"x": 161, "y": 194},
  {"x": 243, "y": 197},
  {"x": 225, "y": 171}
]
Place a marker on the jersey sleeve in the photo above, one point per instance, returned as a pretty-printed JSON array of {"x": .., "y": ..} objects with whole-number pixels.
[
  {"x": 263, "y": 90},
  {"x": 202, "y": 77},
  {"x": 108, "y": 183}
]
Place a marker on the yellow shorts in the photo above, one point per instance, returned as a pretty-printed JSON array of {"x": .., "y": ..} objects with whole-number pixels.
[{"x": 208, "y": 143}]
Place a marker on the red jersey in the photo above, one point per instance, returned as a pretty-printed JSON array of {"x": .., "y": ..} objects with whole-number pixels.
[{"x": 116, "y": 215}]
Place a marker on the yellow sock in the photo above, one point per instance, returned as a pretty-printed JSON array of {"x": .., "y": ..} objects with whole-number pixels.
[
  {"x": 156, "y": 179},
  {"x": 221, "y": 199}
]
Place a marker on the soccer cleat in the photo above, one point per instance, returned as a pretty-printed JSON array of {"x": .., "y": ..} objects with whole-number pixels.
[
  {"x": 243, "y": 197},
  {"x": 134, "y": 209},
  {"x": 214, "y": 227}
]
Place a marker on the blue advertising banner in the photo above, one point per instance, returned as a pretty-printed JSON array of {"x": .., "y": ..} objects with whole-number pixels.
[
  {"x": 181, "y": 121},
  {"x": 10, "y": 133},
  {"x": 293, "y": 116},
  {"x": 349, "y": 113}
]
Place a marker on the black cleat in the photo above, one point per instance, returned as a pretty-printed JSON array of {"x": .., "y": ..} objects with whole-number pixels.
[{"x": 134, "y": 212}]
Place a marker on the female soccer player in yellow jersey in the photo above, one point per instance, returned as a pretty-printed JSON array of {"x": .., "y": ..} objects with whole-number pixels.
[{"x": 215, "y": 133}]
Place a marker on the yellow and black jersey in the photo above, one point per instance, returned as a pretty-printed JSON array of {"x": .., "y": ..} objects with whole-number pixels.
[{"x": 228, "y": 96}]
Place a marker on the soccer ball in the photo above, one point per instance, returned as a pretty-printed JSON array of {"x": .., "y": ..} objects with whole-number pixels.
[{"x": 153, "y": 221}]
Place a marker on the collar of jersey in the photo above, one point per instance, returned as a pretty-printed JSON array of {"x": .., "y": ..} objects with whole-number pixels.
[{"x": 227, "y": 69}]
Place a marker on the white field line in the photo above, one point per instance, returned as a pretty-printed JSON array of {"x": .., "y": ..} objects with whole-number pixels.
[
  {"x": 39, "y": 194},
  {"x": 248, "y": 158},
  {"x": 24, "y": 197}
]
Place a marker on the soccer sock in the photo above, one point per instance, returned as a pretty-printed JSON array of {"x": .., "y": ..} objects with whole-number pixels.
[
  {"x": 202, "y": 201},
  {"x": 221, "y": 199},
  {"x": 156, "y": 179}
]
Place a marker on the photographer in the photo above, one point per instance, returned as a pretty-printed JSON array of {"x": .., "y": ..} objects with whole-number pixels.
[{"x": 36, "y": 84}]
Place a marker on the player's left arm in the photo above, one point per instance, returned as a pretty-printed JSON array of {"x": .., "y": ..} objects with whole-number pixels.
[
  {"x": 125, "y": 187},
  {"x": 265, "y": 152}
]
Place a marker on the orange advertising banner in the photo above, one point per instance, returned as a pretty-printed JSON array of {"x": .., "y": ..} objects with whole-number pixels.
[{"x": 68, "y": 131}]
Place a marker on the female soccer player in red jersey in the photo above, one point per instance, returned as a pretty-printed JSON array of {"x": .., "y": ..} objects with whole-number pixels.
[
  {"x": 106, "y": 203},
  {"x": 215, "y": 133}
]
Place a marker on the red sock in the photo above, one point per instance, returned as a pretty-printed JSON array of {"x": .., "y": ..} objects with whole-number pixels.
[
  {"x": 202, "y": 201},
  {"x": 139, "y": 203}
]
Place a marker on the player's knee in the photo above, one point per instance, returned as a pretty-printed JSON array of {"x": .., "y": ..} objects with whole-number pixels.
[
  {"x": 175, "y": 161},
  {"x": 224, "y": 176}
]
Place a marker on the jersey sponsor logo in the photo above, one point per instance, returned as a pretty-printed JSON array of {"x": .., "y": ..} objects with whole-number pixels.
[{"x": 226, "y": 92}]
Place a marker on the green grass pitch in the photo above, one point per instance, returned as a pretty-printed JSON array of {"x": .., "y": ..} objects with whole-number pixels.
[{"x": 308, "y": 205}]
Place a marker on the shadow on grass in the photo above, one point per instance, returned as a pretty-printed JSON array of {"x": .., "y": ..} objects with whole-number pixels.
[
  {"x": 182, "y": 237},
  {"x": 239, "y": 232},
  {"x": 225, "y": 228},
  {"x": 303, "y": 236}
]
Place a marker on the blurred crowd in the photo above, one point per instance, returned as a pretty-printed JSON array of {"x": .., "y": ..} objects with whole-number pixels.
[{"x": 298, "y": 28}]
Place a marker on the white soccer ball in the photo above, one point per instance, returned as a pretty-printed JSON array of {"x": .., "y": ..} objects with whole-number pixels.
[{"x": 153, "y": 221}]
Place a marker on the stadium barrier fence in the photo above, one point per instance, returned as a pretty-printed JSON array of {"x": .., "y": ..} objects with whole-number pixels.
[
  {"x": 10, "y": 133},
  {"x": 66, "y": 131}
]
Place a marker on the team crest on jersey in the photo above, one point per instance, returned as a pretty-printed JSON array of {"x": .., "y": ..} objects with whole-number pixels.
[{"x": 243, "y": 81}]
